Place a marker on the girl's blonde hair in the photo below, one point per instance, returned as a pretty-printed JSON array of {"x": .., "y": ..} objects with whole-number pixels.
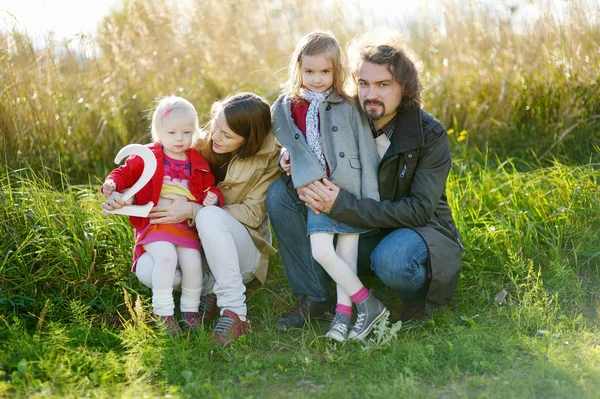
[
  {"x": 167, "y": 105},
  {"x": 317, "y": 43}
]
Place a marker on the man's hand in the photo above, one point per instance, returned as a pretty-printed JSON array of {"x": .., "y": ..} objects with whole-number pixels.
[
  {"x": 210, "y": 199},
  {"x": 319, "y": 195},
  {"x": 284, "y": 162},
  {"x": 177, "y": 211}
]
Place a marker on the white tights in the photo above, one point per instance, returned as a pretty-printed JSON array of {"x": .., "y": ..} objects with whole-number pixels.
[
  {"x": 231, "y": 256},
  {"x": 166, "y": 256},
  {"x": 339, "y": 262}
]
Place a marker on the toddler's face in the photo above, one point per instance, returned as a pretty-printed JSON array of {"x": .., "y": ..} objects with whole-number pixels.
[{"x": 177, "y": 133}]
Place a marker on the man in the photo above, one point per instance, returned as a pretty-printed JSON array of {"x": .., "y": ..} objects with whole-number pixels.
[{"x": 417, "y": 250}]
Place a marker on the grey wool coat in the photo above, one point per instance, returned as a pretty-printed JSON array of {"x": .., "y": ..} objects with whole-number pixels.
[{"x": 347, "y": 143}]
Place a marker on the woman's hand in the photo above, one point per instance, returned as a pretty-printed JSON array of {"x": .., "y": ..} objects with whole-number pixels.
[{"x": 177, "y": 211}]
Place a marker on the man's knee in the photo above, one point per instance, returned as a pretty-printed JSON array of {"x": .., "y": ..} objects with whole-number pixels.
[{"x": 400, "y": 258}]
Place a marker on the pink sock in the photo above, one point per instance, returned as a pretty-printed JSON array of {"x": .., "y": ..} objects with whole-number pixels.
[
  {"x": 343, "y": 309},
  {"x": 360, "y": 295}
]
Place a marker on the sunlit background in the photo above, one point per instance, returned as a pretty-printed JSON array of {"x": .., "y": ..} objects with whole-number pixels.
[
  {"x": 66, "y": 19},
  {"x": 517, "y": 77}
]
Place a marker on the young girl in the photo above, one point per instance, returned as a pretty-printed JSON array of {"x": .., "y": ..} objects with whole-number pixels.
[
  {"x": 325, "y": 137},
  {"x": 183, "y": 172}
]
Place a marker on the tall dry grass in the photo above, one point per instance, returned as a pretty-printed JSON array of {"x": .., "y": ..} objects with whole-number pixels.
[
  {"x": 519, "y": 87},
  {"x": 61, "y": 109},
  {"x": 520, "y": 90}
]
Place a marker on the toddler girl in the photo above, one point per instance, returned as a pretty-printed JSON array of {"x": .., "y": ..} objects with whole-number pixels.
[
  {"x": 326, "y": 138},
  {"x": 180, "y": 170}
]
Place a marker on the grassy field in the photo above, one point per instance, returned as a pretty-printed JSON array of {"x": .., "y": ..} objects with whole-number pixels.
[{"x": 523, "y": 110}]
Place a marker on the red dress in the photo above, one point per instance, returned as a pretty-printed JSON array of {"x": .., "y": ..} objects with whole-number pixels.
[{"x": 200, "y": 181}]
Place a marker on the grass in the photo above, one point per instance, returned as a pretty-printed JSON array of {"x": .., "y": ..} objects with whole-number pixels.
[
  {"x": 530, "y": 234},
  {"x": 522, "y": 109}
]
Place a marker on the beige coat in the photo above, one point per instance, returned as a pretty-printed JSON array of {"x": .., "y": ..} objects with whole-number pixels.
[{"x": 245, "y": 191}]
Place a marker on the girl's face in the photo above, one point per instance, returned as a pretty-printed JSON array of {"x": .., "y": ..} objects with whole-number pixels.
[
  {"x": 224, "y": 139},
  {"x": 317, "y": 72},
  {"x": 176, "y": 133}
]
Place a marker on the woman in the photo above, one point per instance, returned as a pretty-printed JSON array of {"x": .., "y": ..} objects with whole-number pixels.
[{"x": 242, "y": 153}]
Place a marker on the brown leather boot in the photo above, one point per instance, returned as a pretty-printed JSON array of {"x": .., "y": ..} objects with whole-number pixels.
[
  {"x": 414, "y": 313},
  {"x": 304, "y": 310}
]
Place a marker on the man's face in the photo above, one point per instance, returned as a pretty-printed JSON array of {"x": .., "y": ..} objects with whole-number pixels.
[{"x": 379, "y": 94}]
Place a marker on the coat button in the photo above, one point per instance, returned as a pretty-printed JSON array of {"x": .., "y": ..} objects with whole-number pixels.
[
  {"x": 334, "y": 129},
  {"x": 296, "y": 136},
  {"x": 342, "y": 155},
  {"x": 328, "y": 108},
  {"x": 409, "y": 156}
]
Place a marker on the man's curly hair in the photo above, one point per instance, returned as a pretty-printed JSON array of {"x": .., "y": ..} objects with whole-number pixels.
[{"x": 389, "y": 49}]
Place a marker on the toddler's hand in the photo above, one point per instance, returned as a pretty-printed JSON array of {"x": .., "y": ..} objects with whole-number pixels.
[
  {"x": 114, "y": 201},
  {"x": 108, "y": 188},
  {"x": 210, "y": 199}
]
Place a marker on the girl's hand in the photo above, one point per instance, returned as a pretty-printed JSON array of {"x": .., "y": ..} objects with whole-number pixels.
[
  {"x": 108, "y": 188},
  {"x": 177, "y": 211},
  {"x": 284, "y": 162},
  {"x": 210, "y": 199}
]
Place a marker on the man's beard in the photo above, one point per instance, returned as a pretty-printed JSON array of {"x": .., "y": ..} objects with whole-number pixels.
[{"x": 373, "y": 113}]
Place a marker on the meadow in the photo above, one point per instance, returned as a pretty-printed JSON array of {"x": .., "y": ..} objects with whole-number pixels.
[{"x": 522, "y": 107}]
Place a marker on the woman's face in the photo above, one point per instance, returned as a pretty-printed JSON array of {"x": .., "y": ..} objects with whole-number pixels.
[{"x": 224, "y": 139}]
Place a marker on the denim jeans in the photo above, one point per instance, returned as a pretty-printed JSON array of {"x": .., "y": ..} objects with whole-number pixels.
[{"x": 399, "y": 258}]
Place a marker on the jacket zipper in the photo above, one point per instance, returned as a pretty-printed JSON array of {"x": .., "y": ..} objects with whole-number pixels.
[{"x": 403, "y": 172}]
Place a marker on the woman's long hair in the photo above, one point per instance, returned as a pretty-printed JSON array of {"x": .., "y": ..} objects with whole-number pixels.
[{"x": 247, "y": 115}]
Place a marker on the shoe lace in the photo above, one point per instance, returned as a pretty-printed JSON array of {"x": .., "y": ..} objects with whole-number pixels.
[
  {"x": 360, "y": 319},
  {"x": 341, "y": 327},
  {"x": 224, "y": 325}
]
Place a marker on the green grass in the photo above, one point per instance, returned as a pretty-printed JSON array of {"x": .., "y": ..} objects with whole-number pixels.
[
  {"x": 522, "y": 107},
  {"x": 72, "y": 330}
]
